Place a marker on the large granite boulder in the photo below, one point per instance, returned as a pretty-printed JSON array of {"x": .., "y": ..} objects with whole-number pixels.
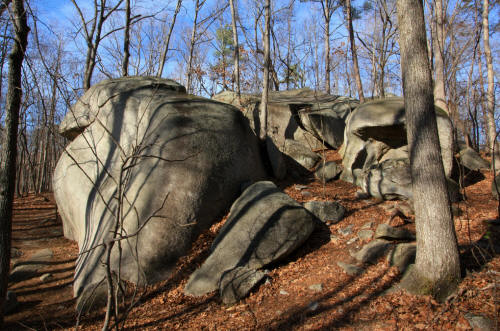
[
  {"x": 471, "y": 160},
  {"x": 375, "y": 132},
  {"x": 312, "y": 118},
  {"x": 264, "y": 225},
  {"x": 178, "y": 160}
]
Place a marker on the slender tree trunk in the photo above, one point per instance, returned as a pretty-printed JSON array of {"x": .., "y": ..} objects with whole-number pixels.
[
  {"x": 167, "y": 41},
  {"x": 236, "y": 50},
  {"x": 490, "y": 94},
  {"x": 192, "y": 44},
  {"x": 9, "y": 143},
  {"x": 265, "y": 82},
  {"x": 354, "y": 53},
  {"x": 126, "y": 40},
  {"x": 437, "y": 267},
  {"x": 438, "y": 45},
  {"x": 327, "y": 15}
]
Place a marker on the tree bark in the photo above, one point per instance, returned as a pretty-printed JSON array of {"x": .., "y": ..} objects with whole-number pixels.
[
  {"x": 9, "y": 143},
  {"x": 327, "y": 15},
  {"x": 198, "y": 6},
  {"x": 126, "y": 40},
  {"x": 354, "y": 53},
  {"x": 438, "y": 46},
  {"x": 167, "y": 42},
  {"x": 490, "y": 94},
  {"x": 437, "y": 267},
  {"x": 236, "y": 50},
  {"x": 265, "y": 82}
]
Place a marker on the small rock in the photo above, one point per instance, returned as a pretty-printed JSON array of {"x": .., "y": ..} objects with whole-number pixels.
[
  {"x": 351, "y": 241},
  {"x": 326, "y": 210},
  {"x": 405, "y": 208},
  {"x": 402, "y": 256},
  {"x": 46, "y": 277},
  {"x": 42, "y": 255},
  {"x": 283, "y": 292},
  {"x": 385, "y": 231},
  {"x": 365, "y": 234},
  {"x": 316, "y": 287},
  {"x": 478, "y": 322},
  {"x": 350, "y": 269},
  {"x": 346, "y": 231},
  {"x": 328, "y": 171},
  {"x": 235, "y": 284},
  {"x": 372, "y": 251},
  {"x": 11, "y": 302},
  {"x": 367, "y": 226},
  {"x": 306, "y": 194},
  {"x": 313, "y": 306},
  {"x": 299, "y": 187}
]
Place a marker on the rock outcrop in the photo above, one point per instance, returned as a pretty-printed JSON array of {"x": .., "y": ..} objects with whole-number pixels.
[
  {"x": 264, "y": 225},
  {"x": 174, "y": 161}
]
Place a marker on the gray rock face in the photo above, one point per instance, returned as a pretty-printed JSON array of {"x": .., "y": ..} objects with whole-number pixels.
[
  {"x": 326, "y": 121},
  {"x": 365, "y": 234},
  {"x": 370, "y": 252},
  {"x": 235, "y": 284},
  {"x": 184, "y": 160},
  {"x": 480, "y": 323},
  {"x": 402, "y": 256},
  {"x": 326, "y": 211},
  {"x": 301, "y": 153},
  {"x": 375, "y": 132},
  {"x": 328, "y": 171},
  {"x": 385, "y": 231},
  {"x": 264, "y": 225},
  {"x": 471, "y": 159},
  {"x": 29, "y": 269}
]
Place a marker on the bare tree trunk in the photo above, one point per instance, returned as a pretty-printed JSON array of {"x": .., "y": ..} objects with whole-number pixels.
[
  {"x": 167, "y": 42},
  {"x": 126, "y": 40},
  {"x": 354, "y": 53},
  {"x": 327, "y": 15},
  {"x": 438, "y": 45},
  {"x": 265, "y": 82},
  {"x": 236, "y": 50},
  {"x": 9, "y": 144},
  {"x": 198, "y": 6},
  {"x": 490, "y": 94},
  {"x": 437, "y": 267}
]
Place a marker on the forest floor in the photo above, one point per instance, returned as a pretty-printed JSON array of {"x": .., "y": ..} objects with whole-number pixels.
[{"x": 287, "y": 300}]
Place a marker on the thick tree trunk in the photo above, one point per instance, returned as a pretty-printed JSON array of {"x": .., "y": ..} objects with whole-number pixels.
[
  {"x": 167, "y": 41},
  {"x": 490, "y": 94},
  {"x": 265, "y": 82},
  {"x": 236, "y": 50},
  {"x": 9, "y": 144},
  {"x": 438, "y": 45},
  {"x": 126, "y": 40},
  {"x": 354, "y": 53},
  {"x": 437, "y": 267}
]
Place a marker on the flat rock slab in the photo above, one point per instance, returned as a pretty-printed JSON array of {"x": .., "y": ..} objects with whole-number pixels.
[
  {"x": 385, "y": 231},
  {"x": 264, "y": 225},
  {"x": 372, "y": 251},
  {"x": 235, "y": 284},
  {"x": 478, "y": 322},
  {"x": 326, "y": 211}
]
